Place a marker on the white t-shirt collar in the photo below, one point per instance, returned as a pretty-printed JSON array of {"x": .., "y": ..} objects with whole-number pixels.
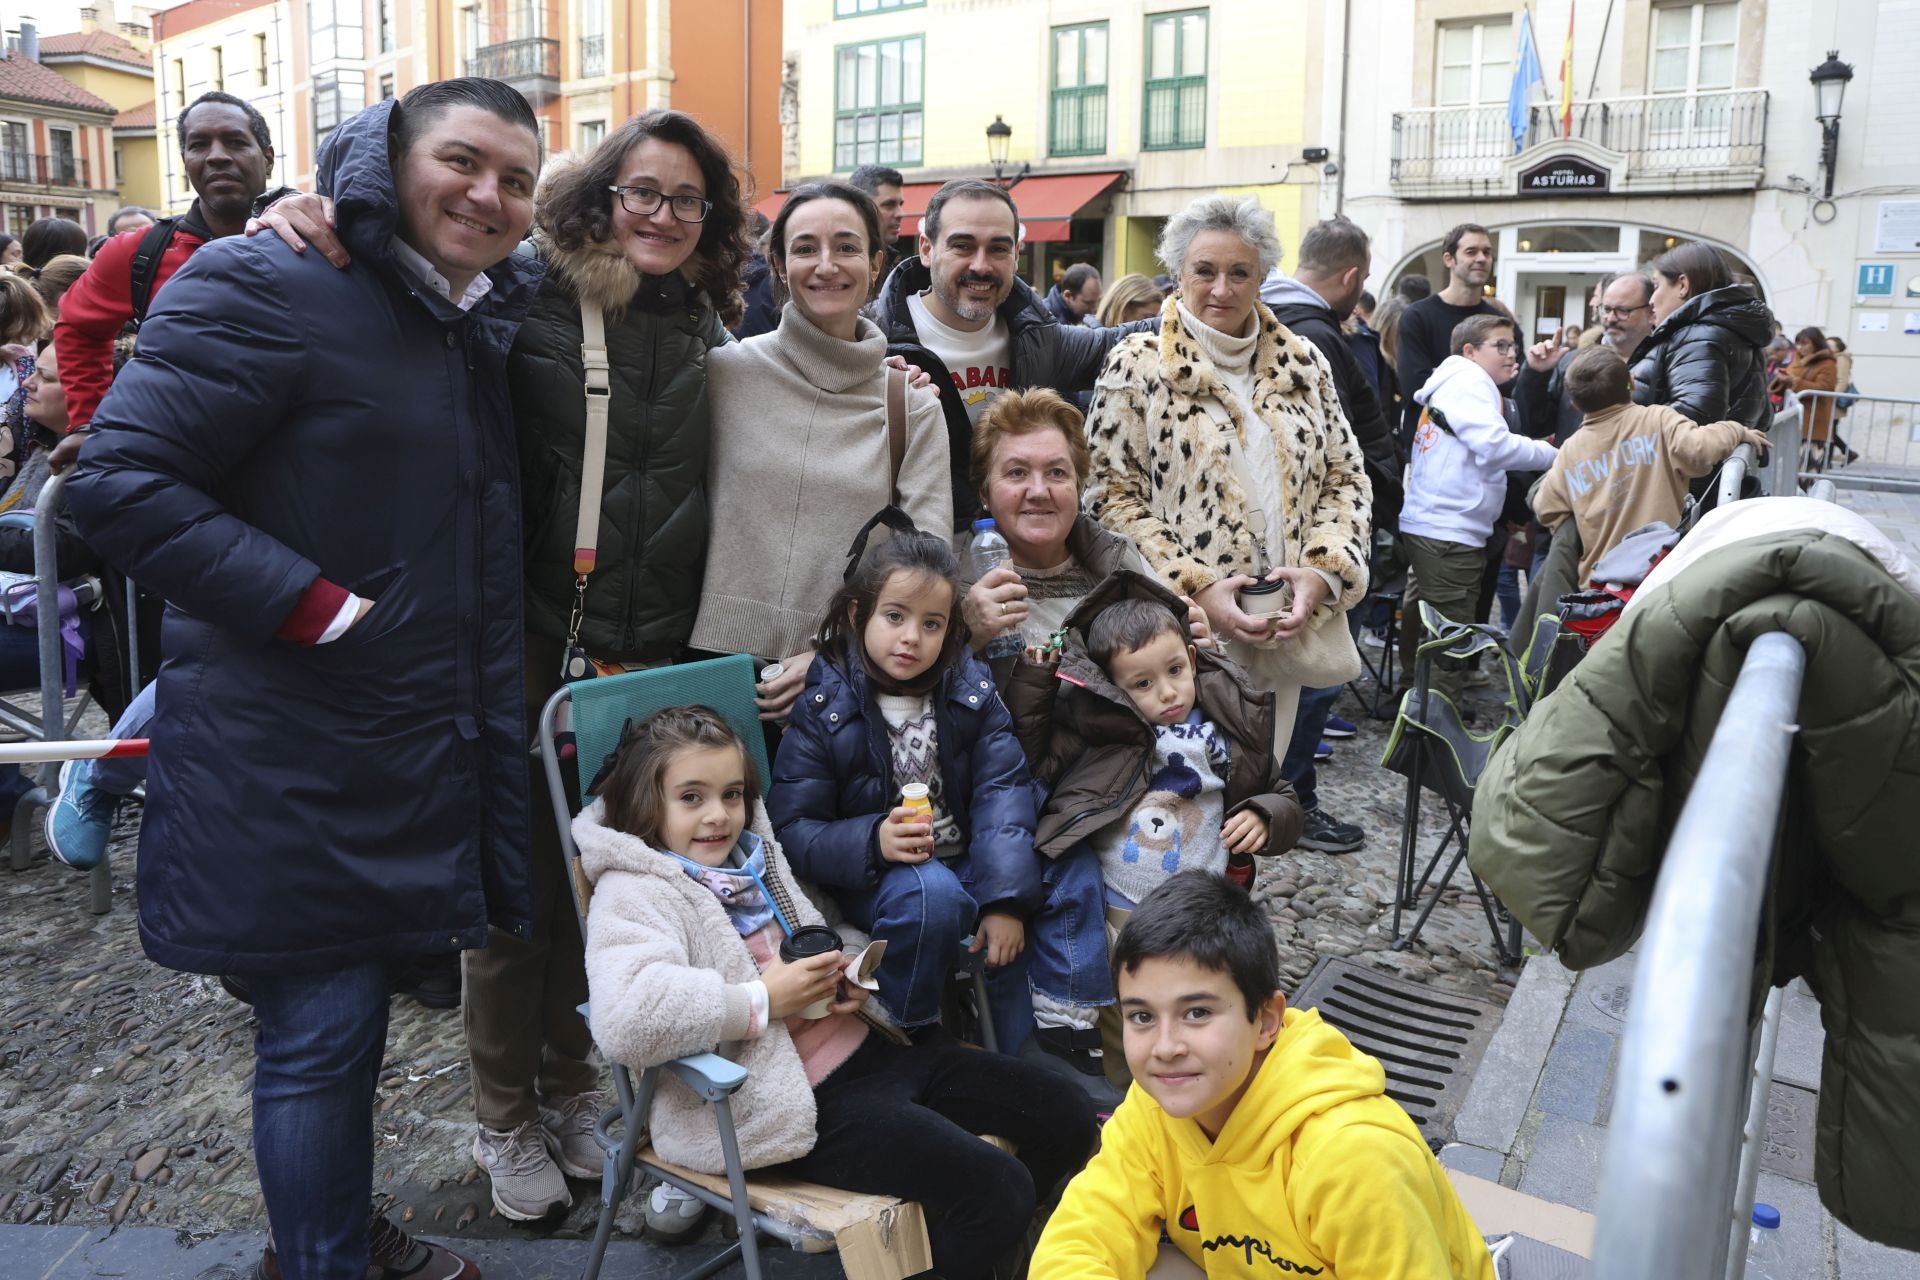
[{"x": 416, "y": 264}]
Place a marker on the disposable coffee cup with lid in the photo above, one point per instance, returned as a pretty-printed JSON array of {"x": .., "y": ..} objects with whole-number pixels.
[
  {"x": 772, "y": 671},
  {"x": 804, "y": 943}
]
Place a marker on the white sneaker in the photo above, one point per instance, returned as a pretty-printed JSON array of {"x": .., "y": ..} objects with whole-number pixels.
[
  {"x": 527, "y": 1185},
  {"x": 569, "y": 1126},
  {"x": 673, "y": 1216}
]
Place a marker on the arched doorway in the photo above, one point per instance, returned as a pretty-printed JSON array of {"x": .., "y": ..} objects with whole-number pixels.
[{"x": 1547, "y": 271}]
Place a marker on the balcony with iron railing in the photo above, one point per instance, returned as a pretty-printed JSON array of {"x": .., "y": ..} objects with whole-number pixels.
[
  {"x": 531, "y": 65},
  {"x": 1714, "y": 141},
  {"x": 42, "y": 171},
  {"x": 593, "y": 56}
]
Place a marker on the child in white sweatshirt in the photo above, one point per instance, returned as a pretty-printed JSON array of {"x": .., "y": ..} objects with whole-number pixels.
[{"x": 1462, "y": 452}]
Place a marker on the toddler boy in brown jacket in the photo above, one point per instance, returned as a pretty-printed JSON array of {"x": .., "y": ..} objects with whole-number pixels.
[
  {"x": 1157, "y": 758},
  {"x": 1629, "y": 464}
]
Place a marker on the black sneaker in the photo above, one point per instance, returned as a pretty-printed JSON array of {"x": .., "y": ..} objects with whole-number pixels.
[
  {"x": 1077, "y": 1054},
  {"x": 433, "y": 980},
  {"x": 392, "y": 1254},
  {"x": 1323, "y": 833}
]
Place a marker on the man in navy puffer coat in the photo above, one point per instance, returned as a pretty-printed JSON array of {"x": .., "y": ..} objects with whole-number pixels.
[
  {"x": 833, "y": 787},
  {"x": 316, "y": 469}
]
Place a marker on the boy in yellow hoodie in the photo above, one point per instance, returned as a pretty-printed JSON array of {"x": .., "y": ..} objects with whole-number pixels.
[{"x": 1256, "y": 1135}]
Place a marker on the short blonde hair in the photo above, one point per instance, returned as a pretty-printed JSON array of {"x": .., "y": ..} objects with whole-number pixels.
[
  {"x": 1021, "y": 413},
  {"x": 1123, "y": 293}
]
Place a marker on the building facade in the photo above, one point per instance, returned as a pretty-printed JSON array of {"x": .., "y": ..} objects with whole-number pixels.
[
  {"x": 56, "y": 144},
  {"x": 1121, "y": 112},
  {"x": 241, "y": 47},
  {"x": 115, "y": 62},
  {"x": 1690, "y": 120}
]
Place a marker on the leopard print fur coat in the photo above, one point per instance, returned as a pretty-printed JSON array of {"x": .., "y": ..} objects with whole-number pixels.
[{"x": 1162, "y": 474}]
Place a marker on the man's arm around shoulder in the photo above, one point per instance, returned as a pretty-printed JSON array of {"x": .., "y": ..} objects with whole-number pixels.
[{"x": 1080, "y": 352}]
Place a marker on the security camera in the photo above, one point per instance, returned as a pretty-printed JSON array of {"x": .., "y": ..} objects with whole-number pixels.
[{"x": 1314, "y": 155}]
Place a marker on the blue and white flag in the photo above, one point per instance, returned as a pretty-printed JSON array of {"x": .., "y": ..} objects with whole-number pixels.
[{"x": 1526, "y": 74}]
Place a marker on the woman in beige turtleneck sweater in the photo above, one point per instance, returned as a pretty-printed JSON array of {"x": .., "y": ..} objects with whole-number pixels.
[
  {"x": 799, "y": 459},
  {"x": 1225, "y": 424}
]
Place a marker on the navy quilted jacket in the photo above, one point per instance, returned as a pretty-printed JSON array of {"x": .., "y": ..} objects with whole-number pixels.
[
  {"x": 833, "y": 783},
  {"x": 314, "y": 807}
]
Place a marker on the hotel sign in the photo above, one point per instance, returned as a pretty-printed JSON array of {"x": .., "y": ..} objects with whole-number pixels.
[{"x": 1564, "y": 176}]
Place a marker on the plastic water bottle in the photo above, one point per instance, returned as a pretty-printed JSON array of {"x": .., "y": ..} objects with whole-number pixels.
[
  {"x": 1763, "y": 1245},
  {"x": 987, "y": 552}
]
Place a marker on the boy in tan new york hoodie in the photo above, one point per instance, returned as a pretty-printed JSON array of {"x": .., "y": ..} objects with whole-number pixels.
[{"x": 1629, "y": 464}]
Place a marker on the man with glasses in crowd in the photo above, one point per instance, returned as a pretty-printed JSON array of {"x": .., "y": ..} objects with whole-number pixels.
[{"x": 1626, "y": 314}]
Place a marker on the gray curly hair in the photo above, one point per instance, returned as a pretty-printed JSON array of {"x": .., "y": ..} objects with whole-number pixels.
[{"x": 1245, "y": 216}]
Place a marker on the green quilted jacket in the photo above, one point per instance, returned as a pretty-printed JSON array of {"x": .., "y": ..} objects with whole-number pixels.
[
  {"x": 645, "y": 588},
  {"x": 1573, "y": 815}
]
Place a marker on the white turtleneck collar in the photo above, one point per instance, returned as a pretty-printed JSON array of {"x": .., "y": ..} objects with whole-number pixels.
[{"x": 1232, "y": 356}]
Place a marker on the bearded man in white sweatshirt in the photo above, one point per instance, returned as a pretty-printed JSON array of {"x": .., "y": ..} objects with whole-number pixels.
[{"x": 1462, "y": 452}]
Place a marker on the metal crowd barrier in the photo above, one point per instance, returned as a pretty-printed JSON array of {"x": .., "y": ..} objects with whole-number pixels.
[
  {"x": 51, "y": 723},
  {"x": 1677, "y": 1181},
  {"x": 1881, "y": 433}
]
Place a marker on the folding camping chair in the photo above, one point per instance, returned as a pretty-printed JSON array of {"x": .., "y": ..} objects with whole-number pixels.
[
  {"x": 1433, "y": 749},
  {"x": 877, "y": 1235},
  {"x": 1379, "y": 612}
]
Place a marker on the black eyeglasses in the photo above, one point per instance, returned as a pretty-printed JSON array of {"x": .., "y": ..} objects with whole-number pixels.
[
  {"x": 1623, "y": 312},
  {"x": 645, "y": 201}
]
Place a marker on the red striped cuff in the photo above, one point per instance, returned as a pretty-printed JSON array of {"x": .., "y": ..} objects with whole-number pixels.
[{"x": 317, "y": 608}]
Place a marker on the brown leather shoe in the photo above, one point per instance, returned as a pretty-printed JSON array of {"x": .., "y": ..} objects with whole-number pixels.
[{"x": 392, "y": 1254}]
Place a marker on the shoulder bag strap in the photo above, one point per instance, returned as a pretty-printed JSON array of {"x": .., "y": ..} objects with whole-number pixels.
[
  {"x": 593, "y": 468},
  {"x": 896, "y": 429},
  {"x": 146, "y": 265}
]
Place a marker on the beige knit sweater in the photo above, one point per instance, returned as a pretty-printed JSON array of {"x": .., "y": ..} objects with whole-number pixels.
[{"x": 798, "y": 462}]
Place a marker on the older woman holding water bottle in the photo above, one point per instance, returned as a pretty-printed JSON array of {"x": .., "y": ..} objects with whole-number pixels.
[{"x": 1037, "y": 557}]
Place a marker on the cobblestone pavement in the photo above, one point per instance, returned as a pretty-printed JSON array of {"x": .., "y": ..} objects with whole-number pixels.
[{"x": 124, "y": 1086}]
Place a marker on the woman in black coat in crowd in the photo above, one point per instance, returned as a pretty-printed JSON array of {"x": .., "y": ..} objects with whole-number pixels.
[{"x": 1706, "y": 354}]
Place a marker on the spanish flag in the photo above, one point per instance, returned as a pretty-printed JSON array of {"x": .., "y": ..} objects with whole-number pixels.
[{"x": 1566, "y": 78}]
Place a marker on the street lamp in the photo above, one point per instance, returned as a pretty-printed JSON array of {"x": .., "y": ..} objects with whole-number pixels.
[
  {"x": 999, "y": 138},
  {"x": 1829, "y": 90}
]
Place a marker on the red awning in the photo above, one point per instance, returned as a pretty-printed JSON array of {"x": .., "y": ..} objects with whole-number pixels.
[{"x": 1047, "y": 202}]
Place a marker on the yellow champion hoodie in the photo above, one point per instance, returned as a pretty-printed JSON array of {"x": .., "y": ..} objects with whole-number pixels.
[{"x": 1316, "y": 1173}]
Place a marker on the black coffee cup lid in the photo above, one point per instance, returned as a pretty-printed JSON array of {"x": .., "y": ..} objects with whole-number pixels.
[
  {"x": 1264, "y": 588},
  {"x": 809, "y": 940}
]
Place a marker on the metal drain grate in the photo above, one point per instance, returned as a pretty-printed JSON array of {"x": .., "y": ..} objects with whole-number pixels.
[{"x": 1428, "y": 1041}]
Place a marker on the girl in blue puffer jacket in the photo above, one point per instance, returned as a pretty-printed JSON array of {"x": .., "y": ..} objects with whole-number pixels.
[{"x": 894, "y": 698}]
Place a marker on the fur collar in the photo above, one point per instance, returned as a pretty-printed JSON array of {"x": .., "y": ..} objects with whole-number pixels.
[
  {"x": 1278, "y": 357},
  {"x": 596, "y": 273}
]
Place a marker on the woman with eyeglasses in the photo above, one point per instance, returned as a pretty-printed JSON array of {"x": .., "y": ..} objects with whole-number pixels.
[
  {"x": 801, "y": 449},
  {"x": 647, "y": 233}
]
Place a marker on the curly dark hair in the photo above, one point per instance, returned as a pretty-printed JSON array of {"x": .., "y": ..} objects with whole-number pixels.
[{"x": 576, "y": 208}]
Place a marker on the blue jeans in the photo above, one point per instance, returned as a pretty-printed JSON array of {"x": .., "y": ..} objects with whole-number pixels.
[
  {"x": 1068, "y": 938},
  {"x": 925, "y": 910},
  {"x": 1506, "y": 590},
  {"x": 317, "y": 1051},
  {"x": 1316, "y": 705},
  {"x": 120, "y": 777}
]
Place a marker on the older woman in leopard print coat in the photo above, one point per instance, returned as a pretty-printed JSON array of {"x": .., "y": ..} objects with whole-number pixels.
[{"x": 1223, "y": 425}]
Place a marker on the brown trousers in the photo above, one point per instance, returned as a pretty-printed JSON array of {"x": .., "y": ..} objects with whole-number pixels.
[{"x": 522, "y": 999}]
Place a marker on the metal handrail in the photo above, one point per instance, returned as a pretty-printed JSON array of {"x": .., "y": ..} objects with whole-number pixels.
[
  {"x": 1673, "y": 1142},
  {"x": 1733, "y": 473}
]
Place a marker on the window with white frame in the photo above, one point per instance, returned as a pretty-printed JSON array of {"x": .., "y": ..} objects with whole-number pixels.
[
  {"x": 591, "y": 133},
  {"x": 1472, "y": 79},
  {"x": 61, "y": 169},
  {"x": 1690, "y": 121}
]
